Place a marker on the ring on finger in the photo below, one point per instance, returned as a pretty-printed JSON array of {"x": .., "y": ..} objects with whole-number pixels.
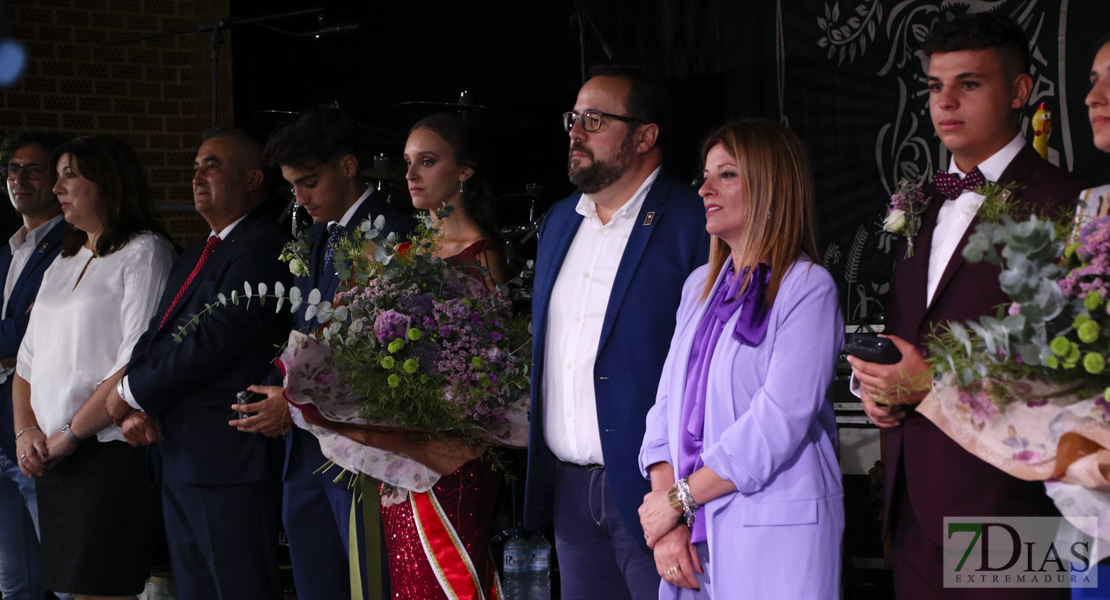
[
  {"x": 672, "y": 570},
  {"x": 22, "y": 457}
]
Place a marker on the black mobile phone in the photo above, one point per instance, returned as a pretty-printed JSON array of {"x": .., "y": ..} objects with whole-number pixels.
[
  {"x": 245, "y": 397},
  {"x": 872, "y": 348}
]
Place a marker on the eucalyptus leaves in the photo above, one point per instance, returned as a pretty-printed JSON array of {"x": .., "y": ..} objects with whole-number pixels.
[{"x": 1055, "y": 329}]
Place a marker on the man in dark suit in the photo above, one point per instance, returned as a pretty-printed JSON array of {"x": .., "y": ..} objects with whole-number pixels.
[
  {"x": 221, "y": 489},
  {"x": 609, "y": 273},
  {"x": 978, "y": 83},
  {"x": 316, "y": 154},
  {"x": 25, "y": 159}
]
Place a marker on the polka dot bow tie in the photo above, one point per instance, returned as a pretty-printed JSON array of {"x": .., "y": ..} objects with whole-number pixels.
[{"x": 952, "y": 186}]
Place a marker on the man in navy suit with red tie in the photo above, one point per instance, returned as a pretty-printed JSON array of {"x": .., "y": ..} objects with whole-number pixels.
[
  {"x": 978, "y": 83},
  {"x": 221, "y": 490},
  {"x": 25, "y": 160}
]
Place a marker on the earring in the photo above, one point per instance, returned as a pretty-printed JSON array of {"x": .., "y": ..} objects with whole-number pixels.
[{"x": 462, "y": 188}]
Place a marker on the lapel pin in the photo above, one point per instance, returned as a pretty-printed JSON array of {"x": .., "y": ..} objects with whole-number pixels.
[
  {"x": 648, "y": 218},
  {"x": 1004, "y": 197},
  {"x": 44, "y": 247}
]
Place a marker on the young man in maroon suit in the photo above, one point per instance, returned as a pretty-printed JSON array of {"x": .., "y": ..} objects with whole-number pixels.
[{"x": 979, "y": 81}]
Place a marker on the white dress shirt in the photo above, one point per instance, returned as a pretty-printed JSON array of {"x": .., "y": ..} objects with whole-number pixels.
[
  {"x": 579, "y": 300},
  {"x": 84, "y": 326},
  {"x": 124, "y": 385},
  {"x": 347, "y": 216},
  {"x": 955, "y": 215}
]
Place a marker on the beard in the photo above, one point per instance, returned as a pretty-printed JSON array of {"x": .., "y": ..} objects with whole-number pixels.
[{"x": 599, "y": 174}]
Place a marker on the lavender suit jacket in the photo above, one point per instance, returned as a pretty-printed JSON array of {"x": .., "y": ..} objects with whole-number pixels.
[{"x": 770, "y": 430}]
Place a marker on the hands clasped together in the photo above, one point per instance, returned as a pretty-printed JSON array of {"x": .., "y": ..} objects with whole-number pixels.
[
  {"x": 676, "y": 559},
  {"x": 268, "y": 416}
]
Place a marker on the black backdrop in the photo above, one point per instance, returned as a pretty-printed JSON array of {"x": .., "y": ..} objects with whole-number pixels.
[{"x": 843, "y": 74}]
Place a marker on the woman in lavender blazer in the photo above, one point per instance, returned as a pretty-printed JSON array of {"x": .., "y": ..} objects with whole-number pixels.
[{"x": 741, "y": 441}]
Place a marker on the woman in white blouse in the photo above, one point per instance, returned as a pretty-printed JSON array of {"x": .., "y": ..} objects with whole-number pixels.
[{"x": 100, "y": 517}]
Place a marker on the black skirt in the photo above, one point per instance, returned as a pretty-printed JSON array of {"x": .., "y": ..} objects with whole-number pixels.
[{"x": 101, "y": 521}]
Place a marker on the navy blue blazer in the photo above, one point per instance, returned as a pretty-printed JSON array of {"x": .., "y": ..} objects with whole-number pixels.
[
  {"x": 396, "y": 220},
  {"x": 191, "y": 384},
  {"x": 19, "y": 313},
  {"x": 667, "y": 243}
]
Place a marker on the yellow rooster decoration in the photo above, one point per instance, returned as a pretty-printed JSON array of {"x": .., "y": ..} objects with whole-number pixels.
[{"x": 1042, "y": 127}]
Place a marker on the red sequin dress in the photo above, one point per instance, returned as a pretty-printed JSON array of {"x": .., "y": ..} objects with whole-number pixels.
[{"x": 468, "y": 497}]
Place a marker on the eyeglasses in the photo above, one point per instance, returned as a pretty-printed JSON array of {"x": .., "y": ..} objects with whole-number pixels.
[
  {"x": 591, "y": 120},
  {"x": 32, "y": 171}
]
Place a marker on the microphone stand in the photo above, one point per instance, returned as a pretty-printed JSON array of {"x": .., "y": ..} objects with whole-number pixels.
[
  {"x": 583, "y": 17},
  {"x": 215, "y": 40}
]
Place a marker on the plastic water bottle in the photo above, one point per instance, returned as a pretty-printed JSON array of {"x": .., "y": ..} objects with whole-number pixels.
[
  {"x": 515, "y": 582},
  {"x": 539, "y": 567}
]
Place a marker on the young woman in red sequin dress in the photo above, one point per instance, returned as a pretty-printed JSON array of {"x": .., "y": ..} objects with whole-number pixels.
[{"x": 444, "y": 163}]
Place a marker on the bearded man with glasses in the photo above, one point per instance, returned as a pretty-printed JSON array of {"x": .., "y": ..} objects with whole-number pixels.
[
  {"x": 610, "y": 267},
  {"x": 24, "y": 159}
]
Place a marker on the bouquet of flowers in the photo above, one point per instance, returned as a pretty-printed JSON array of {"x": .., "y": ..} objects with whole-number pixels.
[
  {"x": 1028, "y": 390},
  {"x": 410, "y": 346}
]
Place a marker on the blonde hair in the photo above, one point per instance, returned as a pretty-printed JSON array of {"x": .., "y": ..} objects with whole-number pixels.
[{"x": 779, "y": 213}]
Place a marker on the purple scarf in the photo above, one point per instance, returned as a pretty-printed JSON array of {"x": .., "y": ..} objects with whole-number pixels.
[{"x": 750, "y": 330}]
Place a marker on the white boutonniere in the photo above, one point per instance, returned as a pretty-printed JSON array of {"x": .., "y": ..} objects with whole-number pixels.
[{"x": 903, "y": 216}]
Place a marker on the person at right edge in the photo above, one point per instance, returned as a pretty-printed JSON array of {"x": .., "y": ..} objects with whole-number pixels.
[{"x": 978, "y": 78}]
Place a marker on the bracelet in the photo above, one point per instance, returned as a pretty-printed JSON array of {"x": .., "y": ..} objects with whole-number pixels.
[
  {"x": 689, "y": 507},
  {"x": 25, "y": 430},
  {"x": 72, "y": 437}
]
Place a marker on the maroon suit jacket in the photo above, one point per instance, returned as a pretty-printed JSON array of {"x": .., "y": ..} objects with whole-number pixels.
[{"x": 943, "y": 479}]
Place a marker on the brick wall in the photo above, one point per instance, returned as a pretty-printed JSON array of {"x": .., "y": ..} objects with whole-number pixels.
[{"x": 156, "y": 94}]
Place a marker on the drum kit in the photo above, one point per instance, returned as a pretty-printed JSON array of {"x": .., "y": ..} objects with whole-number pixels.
[{"x": 518, "y": 212}]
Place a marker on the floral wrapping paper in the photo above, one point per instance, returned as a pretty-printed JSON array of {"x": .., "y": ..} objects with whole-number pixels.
[{"x": 1021, "y": 439}]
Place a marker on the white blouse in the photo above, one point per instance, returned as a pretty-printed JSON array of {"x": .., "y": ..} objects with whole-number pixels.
[{"x": 83, "y": 327}]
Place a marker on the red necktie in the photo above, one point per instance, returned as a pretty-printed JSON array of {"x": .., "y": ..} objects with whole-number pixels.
[
  {"x": 213, "y": 241},
  {"x": 951, "y": 185}
]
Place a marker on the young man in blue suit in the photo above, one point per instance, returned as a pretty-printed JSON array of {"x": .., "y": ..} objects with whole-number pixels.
[
  {"x": 221, "y": 489},
  {"x": 609, "y": 273},
  {"x": 316, "y": 154},
  {"x": 25, "y": 159}
]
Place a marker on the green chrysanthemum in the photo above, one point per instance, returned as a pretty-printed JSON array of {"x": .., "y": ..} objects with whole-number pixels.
[
  {"x": 410, "y": 366},
  {"x": 393, "y": 381},
  {"x": 396, "y": 345},
  {"x": 1060, "y": 345},
  {"x": 1088, "y": 332},
  {"x": 1080, "y": 319},
  {"x": 388, "y": 362},
  {"x": 1093, "y": 300},
  {"x": 414, "y": 334},
  {"x": 1094, "y": 363}
]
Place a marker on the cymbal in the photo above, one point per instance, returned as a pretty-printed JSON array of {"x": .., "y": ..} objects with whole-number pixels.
[
  {"x": 485, "y": 116},
  {"x": 367, "y": 134}
]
